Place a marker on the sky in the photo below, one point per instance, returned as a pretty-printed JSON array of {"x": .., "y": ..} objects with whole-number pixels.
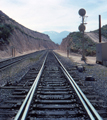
[{"x": 55, "y": 15}]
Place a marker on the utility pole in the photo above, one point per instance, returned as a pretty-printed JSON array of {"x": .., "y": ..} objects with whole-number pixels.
[
  {"x": 99, "y": 28},
  {"x": 13, "y": 51},
  {"x": 68, "y": 47},
  {"x": 67, "y": 50}
]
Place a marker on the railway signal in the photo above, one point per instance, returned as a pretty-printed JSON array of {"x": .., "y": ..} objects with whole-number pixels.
[
  {"x": 82, "y": 28},
  {"x": 82, "y": 12}
]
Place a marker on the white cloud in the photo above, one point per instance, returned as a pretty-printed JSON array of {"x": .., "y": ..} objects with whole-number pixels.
[{"x": 59, "y": 15}]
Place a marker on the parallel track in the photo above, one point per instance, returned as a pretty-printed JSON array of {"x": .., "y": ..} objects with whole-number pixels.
[
  {"x": 12, "y": 61},
  {"x": 53, "y": 95}
]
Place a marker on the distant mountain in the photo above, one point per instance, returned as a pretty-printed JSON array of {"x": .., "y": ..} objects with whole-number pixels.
[{"x": 57, "y": 37}]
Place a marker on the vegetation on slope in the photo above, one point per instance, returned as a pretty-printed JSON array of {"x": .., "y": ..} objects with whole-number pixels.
[
  {"x": 90, "y": 46},
  {"x": 5, "y": 32},
  {"x": 76, "y": 44},
  {"x": 7, "y": 29}
]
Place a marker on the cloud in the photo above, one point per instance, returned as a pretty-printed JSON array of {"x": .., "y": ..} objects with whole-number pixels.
[
  {"x": 37, "y": 13},
  {"x": 51, "y": 14},
  {"x": 58, "y": 15}
]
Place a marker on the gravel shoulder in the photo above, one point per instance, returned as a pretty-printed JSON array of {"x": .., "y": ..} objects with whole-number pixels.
[
  {"x": 15, "y": 72},
  {"x": 97, "y": 71}
]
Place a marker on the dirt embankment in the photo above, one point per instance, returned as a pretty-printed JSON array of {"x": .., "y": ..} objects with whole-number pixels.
[
  {"x": 22, "y": 40},
  {"x": 95, "y": 37},
  {"x": 64, "y": 43}
]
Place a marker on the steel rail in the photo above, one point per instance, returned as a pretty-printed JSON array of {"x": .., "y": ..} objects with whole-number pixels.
[
  {"x": 26, "y": 103},
  {"x": 80, "y": 97},
  {"x": 90, "y": 109},
  {"x": 13, "y": 61}
]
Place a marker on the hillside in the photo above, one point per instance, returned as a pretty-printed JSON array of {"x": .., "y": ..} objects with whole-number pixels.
[
  {"x": 22, "y": 39},
  {"x": 57, "y": 37},
  {"x": 74, "y": 41},
  {"x": 95, "y": 37}
]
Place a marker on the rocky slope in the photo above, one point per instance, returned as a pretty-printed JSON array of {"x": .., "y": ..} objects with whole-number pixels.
[
  {"x": 15, "y": 36},
  {"x": 73, "y": 41},
  {"x": 94, "y": 36}
]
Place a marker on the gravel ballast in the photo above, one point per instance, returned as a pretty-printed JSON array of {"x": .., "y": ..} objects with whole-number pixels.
[{"x": 97, "y": 71}]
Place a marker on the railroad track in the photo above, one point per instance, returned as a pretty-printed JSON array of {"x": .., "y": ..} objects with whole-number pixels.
[
  {"x": 53, "y": 95},
  {"x": 12, "y": 61}
]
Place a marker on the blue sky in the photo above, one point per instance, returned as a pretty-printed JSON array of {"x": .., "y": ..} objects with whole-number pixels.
[{"x": 55, "y": 15}]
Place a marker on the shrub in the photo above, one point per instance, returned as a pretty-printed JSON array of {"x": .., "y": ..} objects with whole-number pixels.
[
  {"x": 76, "y": 44},
  {"x": 5, "y": 31}
]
